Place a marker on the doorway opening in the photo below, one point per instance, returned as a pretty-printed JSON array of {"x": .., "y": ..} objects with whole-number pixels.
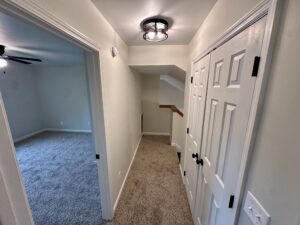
[{"x": 54, "y": 112}]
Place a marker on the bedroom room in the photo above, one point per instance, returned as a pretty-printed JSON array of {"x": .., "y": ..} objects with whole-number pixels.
[{"x": 44, "y": 88}]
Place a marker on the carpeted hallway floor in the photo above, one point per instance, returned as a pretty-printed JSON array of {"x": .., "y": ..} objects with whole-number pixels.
[
  {"x": 154, "y": 193},
  {"x": 61, "y": 178}
]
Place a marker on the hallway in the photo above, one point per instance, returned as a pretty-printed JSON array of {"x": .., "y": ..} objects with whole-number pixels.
[{"x": 154, "y": 192}]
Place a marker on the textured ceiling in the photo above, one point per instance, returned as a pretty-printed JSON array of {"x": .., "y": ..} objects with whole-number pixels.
[
  {"x": 185, "y": 17},
  {"x": 28, "y": 40}
]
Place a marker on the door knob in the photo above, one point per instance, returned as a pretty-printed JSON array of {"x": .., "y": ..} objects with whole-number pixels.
[
  {"x": 199, "y": 161},
  {"x": 195, "y": 155}
]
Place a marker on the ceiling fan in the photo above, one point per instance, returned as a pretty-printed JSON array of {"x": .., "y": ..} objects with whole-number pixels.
[{"x": 18, "y": 59}]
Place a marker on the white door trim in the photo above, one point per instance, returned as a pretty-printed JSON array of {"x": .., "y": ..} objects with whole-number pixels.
[
  {"x": 15, "y": 191},
  {"x": 32, "y": 12},
  {"x": 270, "y": 9}
]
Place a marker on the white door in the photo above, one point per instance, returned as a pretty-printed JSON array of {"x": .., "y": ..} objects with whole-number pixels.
[
  {"x": 229, "y": 96},
  {"x": 195, "y": 125},
  {"x": 13, "y": 190}
]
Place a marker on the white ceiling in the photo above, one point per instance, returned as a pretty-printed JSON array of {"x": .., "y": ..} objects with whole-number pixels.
[
  {"x": 28, "y": 40},
  {"x": 125, "y": 16}
]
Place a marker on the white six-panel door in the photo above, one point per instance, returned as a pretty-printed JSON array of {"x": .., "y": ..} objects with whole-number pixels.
[
  {"x": 229, "y": 96},
  {"x": 195, "y": 124}
]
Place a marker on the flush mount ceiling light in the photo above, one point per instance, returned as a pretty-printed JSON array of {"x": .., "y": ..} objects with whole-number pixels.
[{"x": 155, "y": 29}]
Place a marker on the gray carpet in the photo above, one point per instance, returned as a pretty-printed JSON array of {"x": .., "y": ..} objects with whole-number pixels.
[
  {"x": 61, "y": 179},
  {"x": 154, "y": 193}
]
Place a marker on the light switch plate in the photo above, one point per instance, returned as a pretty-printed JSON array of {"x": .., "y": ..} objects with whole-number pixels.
[{"x": 257, "y": 214}]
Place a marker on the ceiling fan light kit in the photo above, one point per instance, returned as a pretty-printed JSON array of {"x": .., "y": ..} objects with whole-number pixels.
[
  {"x": 155, "y": 29},
  {"x": 19, "y": 59},
  {"x": 3, "y": 63}
]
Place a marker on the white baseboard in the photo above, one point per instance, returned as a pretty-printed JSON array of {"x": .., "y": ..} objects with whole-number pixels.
[
  {"x": 126, "y": 176},
  {"x": 49, "y": 129},
  {"x": 67, "y": 130},
  {"x": 28, "y": 135},
  {"x": 156, "y": 133},
  {"x": 181, "y": 172}
]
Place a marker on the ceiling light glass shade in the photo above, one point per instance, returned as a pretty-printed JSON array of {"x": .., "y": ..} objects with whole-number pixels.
[
  {"x": 155, "y": 30},
  {"x": 161, "y": 26},
  {"x": 3, "y": 63},
  {"x": 155, "y": 36}
]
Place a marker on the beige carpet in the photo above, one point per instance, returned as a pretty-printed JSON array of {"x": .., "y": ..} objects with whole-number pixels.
[{"x": 154, "y": 193}]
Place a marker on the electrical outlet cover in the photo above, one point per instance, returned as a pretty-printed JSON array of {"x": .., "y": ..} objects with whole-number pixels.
[{"x": 257, "y": 214}]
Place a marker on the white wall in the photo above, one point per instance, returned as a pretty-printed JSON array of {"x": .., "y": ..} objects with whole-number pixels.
[
  {"x": 63, "y": 97},
  {"x": 178, "y": 132},
  {"x": 20, "y": 95},
  {"x": 118, "y": 82},
  {"x": 275, "y": 165},
  {"x": 159, "y": 55},
  {"x": 155, "y": 119},
  {"x": 274, "y": 172},
  {"x": 170, "y": 95},
  {"x": 135, "y": 109},
  {"x": 45, "y": 97}
]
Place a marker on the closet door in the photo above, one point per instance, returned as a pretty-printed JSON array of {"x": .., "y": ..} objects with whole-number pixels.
[
  {"x": 195, "y": 125},
  {"x": 229, "y": 96}
]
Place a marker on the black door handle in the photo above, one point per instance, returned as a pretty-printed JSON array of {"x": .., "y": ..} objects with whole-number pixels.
[
  {"x": 199, "y": 161},
  {"x": 195, "y": 155}
]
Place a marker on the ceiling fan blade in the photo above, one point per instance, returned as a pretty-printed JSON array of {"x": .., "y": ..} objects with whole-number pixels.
[
  {"x": 17, "y": 60},
  {"x": 24, "y": 58}
]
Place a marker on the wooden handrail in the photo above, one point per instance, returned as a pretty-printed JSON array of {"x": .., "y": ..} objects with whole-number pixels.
[{"x": 173, "y": 108}]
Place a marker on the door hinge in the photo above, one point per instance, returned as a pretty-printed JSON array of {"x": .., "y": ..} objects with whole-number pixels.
[
  {"x": 231, "y": 201},
  {"x": 97, "y": 156},
  {"x": 187, "y": 130},
  {"x": 255, "y": 66},
  {"x": 192, "y": 79},
  {"x": 184, "y": 173}
]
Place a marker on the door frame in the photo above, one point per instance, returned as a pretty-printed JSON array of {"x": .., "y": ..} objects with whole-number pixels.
[
  {"x": 31, "y": 12},
  {"x": 271, "y": 9}
]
